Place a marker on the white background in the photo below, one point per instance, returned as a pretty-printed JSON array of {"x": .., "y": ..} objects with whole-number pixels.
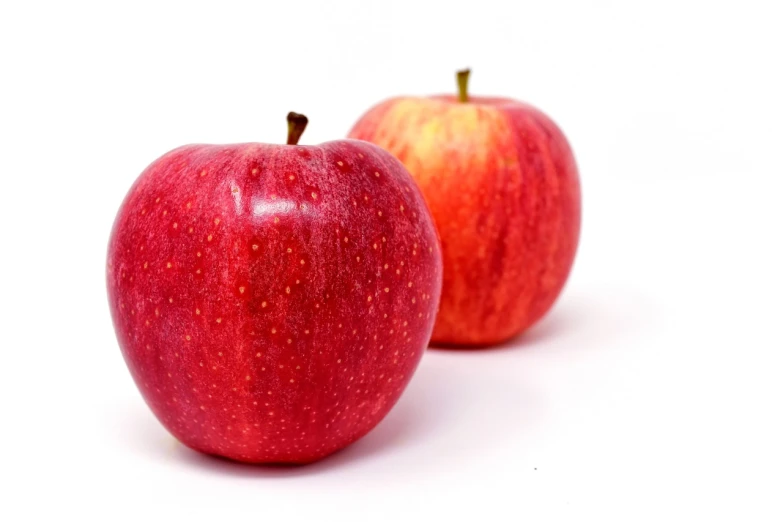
[{"x": 651, "y": 391}]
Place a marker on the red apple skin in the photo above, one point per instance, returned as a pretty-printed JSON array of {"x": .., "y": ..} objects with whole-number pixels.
[
  {"x": 502, "y": 184},
  {"x": 271, "y": 301}
]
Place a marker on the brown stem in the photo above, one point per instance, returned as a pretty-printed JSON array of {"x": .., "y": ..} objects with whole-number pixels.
[
  {"x": 296, "y": 126},
  {"x": 462, "y": 84}
]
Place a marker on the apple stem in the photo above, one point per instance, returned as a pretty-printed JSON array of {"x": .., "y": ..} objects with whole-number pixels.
[
  {"x": 296, "y": 126},
  {"x": 462, "y": 84}
]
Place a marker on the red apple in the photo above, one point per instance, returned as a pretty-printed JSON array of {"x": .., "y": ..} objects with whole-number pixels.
[
  {"x": 273, "y": 301},
  {"x": 501, "y": 182}
]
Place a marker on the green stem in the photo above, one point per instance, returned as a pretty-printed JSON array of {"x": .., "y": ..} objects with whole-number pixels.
[
  {"x": 296, "y": 126},
  {"x": 462, "y": 84}
]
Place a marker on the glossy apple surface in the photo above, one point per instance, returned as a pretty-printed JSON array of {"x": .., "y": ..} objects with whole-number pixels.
[
  {"x": 502, "y": 184},
  {"x": 273, "y": 301}
]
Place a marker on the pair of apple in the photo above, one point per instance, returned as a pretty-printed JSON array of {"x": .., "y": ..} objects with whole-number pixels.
[{"x": 273, "y": 301}]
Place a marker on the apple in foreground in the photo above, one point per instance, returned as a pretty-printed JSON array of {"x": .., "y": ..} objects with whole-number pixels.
[
  {"x": 502, "y": 184},
  {"x": 273, "y": 301}
]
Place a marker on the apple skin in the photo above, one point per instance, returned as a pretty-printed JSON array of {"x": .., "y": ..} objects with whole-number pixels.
[
  {"x": 273, "y": 301},
  {"x": 501, "y": 182}
]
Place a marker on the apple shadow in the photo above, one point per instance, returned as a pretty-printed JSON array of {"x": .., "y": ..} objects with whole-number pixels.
[
  {"x": 432, "y": 406},
  {"x": 557, "y": 321},
  {"x": 574, "y": 319},
  {"x": 457, "y": 403},
  {"x": 402, "y": 425},
  {"x": 448, "y": 406}
]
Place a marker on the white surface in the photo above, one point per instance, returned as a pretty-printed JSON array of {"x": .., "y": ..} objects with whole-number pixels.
[{"x": 652, "y": 390}]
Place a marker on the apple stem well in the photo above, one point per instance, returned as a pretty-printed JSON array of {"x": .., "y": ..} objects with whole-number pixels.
[
  {"x": 462, "y": 84},
  {"x": 296, "y": 126}
]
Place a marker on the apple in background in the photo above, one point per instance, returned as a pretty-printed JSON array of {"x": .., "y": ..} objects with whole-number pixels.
[
  {"x": 502, "y": 184},
  {"x": 273, "y": 301}
]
